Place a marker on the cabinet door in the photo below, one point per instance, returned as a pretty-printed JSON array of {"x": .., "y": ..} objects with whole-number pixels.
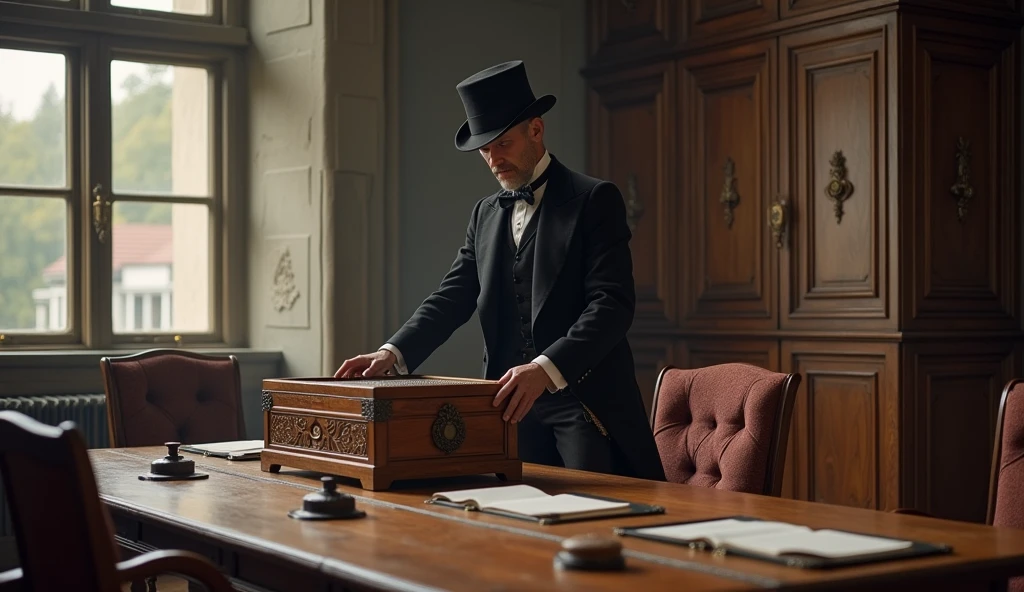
[
  {"x": 836, "y": 169},
  {"x": 951, "y": 396},
  {"x": 631, "y": 123},
  {"x": 706, "y": 18},
  {"x": 844, "y": 446},
  {"x": 962, "y": 258},
  {"x": 725, "y": 128},
  {"x": 626, "y": 27}
]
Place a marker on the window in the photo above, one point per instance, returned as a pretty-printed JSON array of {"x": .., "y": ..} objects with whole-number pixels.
[{"x": 116, "y": 171}]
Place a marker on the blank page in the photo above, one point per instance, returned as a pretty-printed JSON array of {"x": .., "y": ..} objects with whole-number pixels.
[
  {"x": 235, "y": 446},
  {"x": 561, "y": 504},
  {"x": 717, "y": 531},
  {"x": 488, "y": 495},
  {"x": 820, "y": 543}
]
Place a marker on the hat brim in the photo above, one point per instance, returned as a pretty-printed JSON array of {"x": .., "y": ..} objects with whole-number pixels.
[{"x": 467, "y": 142}]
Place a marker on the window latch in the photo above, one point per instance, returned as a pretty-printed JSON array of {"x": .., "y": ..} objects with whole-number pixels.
[{"x": 100, "y": 214}]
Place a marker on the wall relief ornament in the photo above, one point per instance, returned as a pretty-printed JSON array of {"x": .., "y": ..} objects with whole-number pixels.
[{"x": 285, "y": 292}]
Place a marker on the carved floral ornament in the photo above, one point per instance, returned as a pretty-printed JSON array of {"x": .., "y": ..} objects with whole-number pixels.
[{"x": 284, "y": 291}]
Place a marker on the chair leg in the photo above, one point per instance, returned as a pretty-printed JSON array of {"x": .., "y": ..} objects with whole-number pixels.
[{"x": 151, "y": 584}]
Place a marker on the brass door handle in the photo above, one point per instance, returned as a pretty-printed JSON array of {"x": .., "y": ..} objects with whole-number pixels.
[
  {"x": 778, "y": 220},
  {"x": 100, "y": 214}
]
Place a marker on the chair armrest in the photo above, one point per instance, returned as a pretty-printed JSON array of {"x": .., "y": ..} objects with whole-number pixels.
[
  {"x": 11, "y": 581},
  {"x": 185, "y": 563},
  {"x": 912, "y": 512}
]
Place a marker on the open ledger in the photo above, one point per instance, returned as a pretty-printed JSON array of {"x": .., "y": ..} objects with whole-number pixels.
[
  {"x": 782, "y": 542},
  {"x": 530, "y": 503},
  {"x": 236, "y": 450}
]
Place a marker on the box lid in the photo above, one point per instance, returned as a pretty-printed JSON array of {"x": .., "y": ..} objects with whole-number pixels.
[{"x": 385, "y": 387}]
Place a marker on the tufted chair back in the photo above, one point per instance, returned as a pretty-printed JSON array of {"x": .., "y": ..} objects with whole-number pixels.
[
  {"x": 724, "y": 426},
  {"x": 169, "y": 395},
  {"x": 1006, "y": 491}
]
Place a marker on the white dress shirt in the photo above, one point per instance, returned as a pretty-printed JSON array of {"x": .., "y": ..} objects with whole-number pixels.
[{"x": 521, "y": 214}]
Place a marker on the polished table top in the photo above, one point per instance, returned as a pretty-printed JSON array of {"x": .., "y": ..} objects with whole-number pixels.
[{"x": 406, "y": 544}]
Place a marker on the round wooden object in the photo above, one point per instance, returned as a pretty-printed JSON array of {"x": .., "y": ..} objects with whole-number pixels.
[{"x": 591, "y": 552}]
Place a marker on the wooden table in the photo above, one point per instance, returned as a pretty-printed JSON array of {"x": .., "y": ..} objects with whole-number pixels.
[{"x": 238, "y": 518}]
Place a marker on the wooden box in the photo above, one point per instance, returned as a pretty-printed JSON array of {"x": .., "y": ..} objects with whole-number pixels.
[{"x": 383, "y": 429}]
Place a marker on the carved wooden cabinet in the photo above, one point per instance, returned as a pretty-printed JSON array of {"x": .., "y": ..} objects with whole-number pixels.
[{"x": 830, "y": 187}]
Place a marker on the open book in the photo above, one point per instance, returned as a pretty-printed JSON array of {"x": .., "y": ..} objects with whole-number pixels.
[
  {"x": 782, "y": 542},
  {"x": 237, "y": 450},
  {"x": 523, "y": 501}
]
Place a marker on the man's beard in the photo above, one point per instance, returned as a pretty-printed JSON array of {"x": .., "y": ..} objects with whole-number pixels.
[{"x": 522, "y": 177}]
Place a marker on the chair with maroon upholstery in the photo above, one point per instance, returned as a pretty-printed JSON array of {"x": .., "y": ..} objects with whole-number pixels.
[
  {"x": 64, "y": 534},
  {"x": 1006, "y": 488},
  {"x": 168, "y": 395},
  {"x": 724, "y": 426}
]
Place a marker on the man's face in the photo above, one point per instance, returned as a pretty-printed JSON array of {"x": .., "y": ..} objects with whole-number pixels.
[{"x": 513, "y": 156}]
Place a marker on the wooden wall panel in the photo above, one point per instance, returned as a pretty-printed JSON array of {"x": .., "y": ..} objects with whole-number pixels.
[
  {"x": 729, "y": 266},
  {"x": 620, "y": 27},
  {"x": 650, "y": 356},
  {"x": 791, "y": 8},
  {"x": 627, "y": 115},
  {"x": 703, "y": 352},
  {"x": 834, "y": 141},
  {"x": 963, "y": 260},
  {"x": 845, "y": 436},
  {"x": 706, "y": 18},
  {"x": 952, "y": 398}
]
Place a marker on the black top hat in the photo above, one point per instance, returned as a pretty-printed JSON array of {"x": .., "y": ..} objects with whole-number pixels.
[{"x": 495, "y": 99}]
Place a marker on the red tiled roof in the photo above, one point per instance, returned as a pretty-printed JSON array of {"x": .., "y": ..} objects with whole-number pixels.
[{"x": 134, "y": 244}]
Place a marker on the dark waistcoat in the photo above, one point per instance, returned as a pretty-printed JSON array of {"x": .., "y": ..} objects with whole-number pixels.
[{"x": 516, "y": 345}]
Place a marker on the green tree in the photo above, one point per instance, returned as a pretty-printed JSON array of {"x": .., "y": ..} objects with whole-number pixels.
[{"x": 33, "y": 231}]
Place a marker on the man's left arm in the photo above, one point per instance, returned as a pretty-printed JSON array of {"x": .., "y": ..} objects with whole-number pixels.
[{"x": 607, "y": 286}]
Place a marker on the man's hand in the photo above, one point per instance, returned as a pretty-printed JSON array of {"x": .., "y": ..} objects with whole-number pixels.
[
  {"x": 524, "y": 384},
  {"x": 366, "y": 365}
]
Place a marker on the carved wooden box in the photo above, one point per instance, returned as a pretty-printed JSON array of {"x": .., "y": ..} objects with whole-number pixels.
[{"x": 383, "y": 429}]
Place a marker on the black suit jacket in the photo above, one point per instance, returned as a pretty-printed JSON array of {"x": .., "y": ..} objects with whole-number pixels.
[{"x": 583, "y": 303}]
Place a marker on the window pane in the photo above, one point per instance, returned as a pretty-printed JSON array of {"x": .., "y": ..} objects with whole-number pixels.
[
  {"x": 161, "y": 264},
  {"x": 33, "y": 122},
  {"x": 160, "y": 128},
  {"x": 33, "y": 268},
  {"x": 179, "y": 6}
]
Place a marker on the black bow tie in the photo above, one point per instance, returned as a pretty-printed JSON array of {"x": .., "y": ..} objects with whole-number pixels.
[{"x": 507, "y": 198}]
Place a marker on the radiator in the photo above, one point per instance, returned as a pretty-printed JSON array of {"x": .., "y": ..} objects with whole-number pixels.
[{"x": 89, "y": 412}]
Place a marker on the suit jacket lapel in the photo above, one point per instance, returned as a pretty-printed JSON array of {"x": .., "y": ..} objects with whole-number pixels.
[
  {"x": 555, "y": 229},
  {"x": 489, "y": 238}
]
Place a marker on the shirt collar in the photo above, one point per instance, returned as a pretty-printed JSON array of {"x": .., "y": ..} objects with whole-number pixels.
[{"x": 541, "y": 166}]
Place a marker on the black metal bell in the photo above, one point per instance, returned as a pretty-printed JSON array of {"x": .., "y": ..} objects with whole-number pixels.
[{"x": 327, "y": 504}]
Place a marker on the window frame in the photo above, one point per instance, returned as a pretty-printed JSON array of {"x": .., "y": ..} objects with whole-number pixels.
[{"x": 89, "y": 155}]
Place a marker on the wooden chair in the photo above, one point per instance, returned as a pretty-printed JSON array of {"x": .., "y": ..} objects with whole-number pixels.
[
  {"x": 170, "y": 395},
  {"x": 64, "y": 534},
  {"x": 724, "y": 426}
]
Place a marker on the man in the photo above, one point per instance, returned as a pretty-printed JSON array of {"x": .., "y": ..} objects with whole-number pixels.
[{"x": 547, "y": 262}]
